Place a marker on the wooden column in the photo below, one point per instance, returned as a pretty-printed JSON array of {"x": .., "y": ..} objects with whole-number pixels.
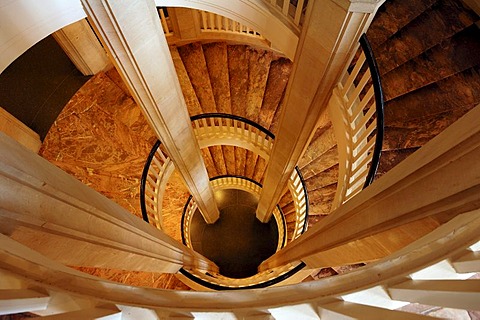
[
  {"x": 48, "y": 210},
  {"x": 441, "y": 178},
  {"x": 82, "y": 47},
  {"x": 331, "y": 29},
  {"x": 132, "y": 34}
]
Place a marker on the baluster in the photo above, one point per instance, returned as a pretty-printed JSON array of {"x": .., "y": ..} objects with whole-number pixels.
[
  {"x": 211, "y": 21},
  {"x": 298, "y": 12},
  {"x": 204, "y": 20}
]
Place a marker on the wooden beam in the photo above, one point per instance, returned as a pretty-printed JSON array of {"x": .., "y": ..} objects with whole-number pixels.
[
  {"x": 440, "y": 178},
  {"x": 459, "y": 294},
  {"x": 48, "y": 210},
  {"x": 82, "y": 47},
  {"x": 132, "y": 34},
  {"x": 347, "y": 310},
  {"x": 317, "y": 65}
]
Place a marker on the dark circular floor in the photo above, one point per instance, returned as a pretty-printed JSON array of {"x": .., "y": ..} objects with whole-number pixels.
[{"x": 238, "y": 242}]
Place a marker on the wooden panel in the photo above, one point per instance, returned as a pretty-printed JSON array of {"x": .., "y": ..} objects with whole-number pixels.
[{"x": 15, "y": 129}]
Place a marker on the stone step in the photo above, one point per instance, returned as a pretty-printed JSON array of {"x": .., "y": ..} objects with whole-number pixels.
[
  {"x": 449, "y": 57},
  {"x": 217, "y": 64},
  {"x": 193, "y": 105},
  {"x": 322, "y": 141},
  {"x": 390, "y": 158},
  {"x": 393, "y": 16},
  {"x": 417, "y": 132},
  {"x": 321, "y": 200},
  {"x": 444, "y": 19},
  {"x": 325, "y": 161},
  {"x": 461, "y": 90},
  {"x": 322, "y": 179},
  {"x": 278, "y": 75}
]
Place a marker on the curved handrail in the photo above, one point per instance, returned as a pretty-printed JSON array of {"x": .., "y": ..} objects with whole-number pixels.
[
  {"x": 445, "y": 242},
  {"x": 291, "y": 270},
  {"x": 260, "y": 144},
  {"x": 190, "y": 207},
  {"x": 356, "y": 110},
  {"x": 379, "y": 103},
  {"x": 233, "y": 117},
  {"x": 302, "y": 181},
  {"x": 259, "y": 280},
  {"x": 143, "y": 180}
]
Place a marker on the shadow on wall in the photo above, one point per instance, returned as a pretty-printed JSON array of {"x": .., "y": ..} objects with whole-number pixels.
[{"x": 36, "y": 86}]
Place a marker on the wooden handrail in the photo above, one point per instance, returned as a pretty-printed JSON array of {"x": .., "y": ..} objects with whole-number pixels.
[
  {"x": 214, "y": 129},
  {"x": 356, "y": 110},
  {"x": 446, "y": 242}
]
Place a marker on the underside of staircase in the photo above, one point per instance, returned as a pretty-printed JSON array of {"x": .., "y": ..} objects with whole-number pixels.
[{"x": 428, "y": 56}]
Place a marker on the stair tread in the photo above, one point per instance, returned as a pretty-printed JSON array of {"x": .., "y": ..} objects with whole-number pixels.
[
  {"x": 417, "y": 132},
  {"x": 321, "y": 200},
  {"x": 194, "y": 61},
  {"x": 258, "y": 70},
  {"x": 441, "y": 21},
  {"x": 322, "y": 141},
  {"x": 217, "y": 65},
  {"x": 324, "y": 162},
  {"x": 390, "y": 158},
  {"x": 238, "y": 75},
  {"x": 461, "y": 90},
  {"x": 193, "y": 105},
  {"x": 393, "y": 16},
  {"x": 274, "y": 90},
  {"x": 322, "y": 179},
  {"x": 453, "y": 55}
]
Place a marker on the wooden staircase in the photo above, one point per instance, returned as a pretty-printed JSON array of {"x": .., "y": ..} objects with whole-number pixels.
[
  {"x": 429, "y": 61},
  {"x": 429, "y": 83}
]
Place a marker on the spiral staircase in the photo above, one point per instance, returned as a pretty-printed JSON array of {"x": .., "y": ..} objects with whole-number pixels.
[{"x": 223, "y": 78}]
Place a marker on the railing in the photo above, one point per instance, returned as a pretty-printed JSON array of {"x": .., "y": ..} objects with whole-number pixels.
[
  {"x": 238, "y": 183},
  {"x": 211, "y": 22},
  {"x": 356, "y": 110},
  {"x": 294, "y": 10},
  {"x": 218, "y": 129},
  {"x": 260, "y": 280},
  {"x": 155, "y": 176},
  {"x": 226, "y": 129},
  {"x": 297, "y": 188},
  {"x": 417, "y": 273},
  {"x": 165, "y": 20}
]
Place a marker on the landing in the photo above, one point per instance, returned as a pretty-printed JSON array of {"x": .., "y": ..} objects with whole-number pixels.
[{"x": 237, "y": 242}]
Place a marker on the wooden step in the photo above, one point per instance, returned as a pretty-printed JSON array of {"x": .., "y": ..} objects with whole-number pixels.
[
  {"x": 444, "y": 19},
  {"x": 458, "y": 91},
  {"x": 451, "y": 56},
  {"x": 393, "y": 16},
  {"x": 258, "y": 72}
]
